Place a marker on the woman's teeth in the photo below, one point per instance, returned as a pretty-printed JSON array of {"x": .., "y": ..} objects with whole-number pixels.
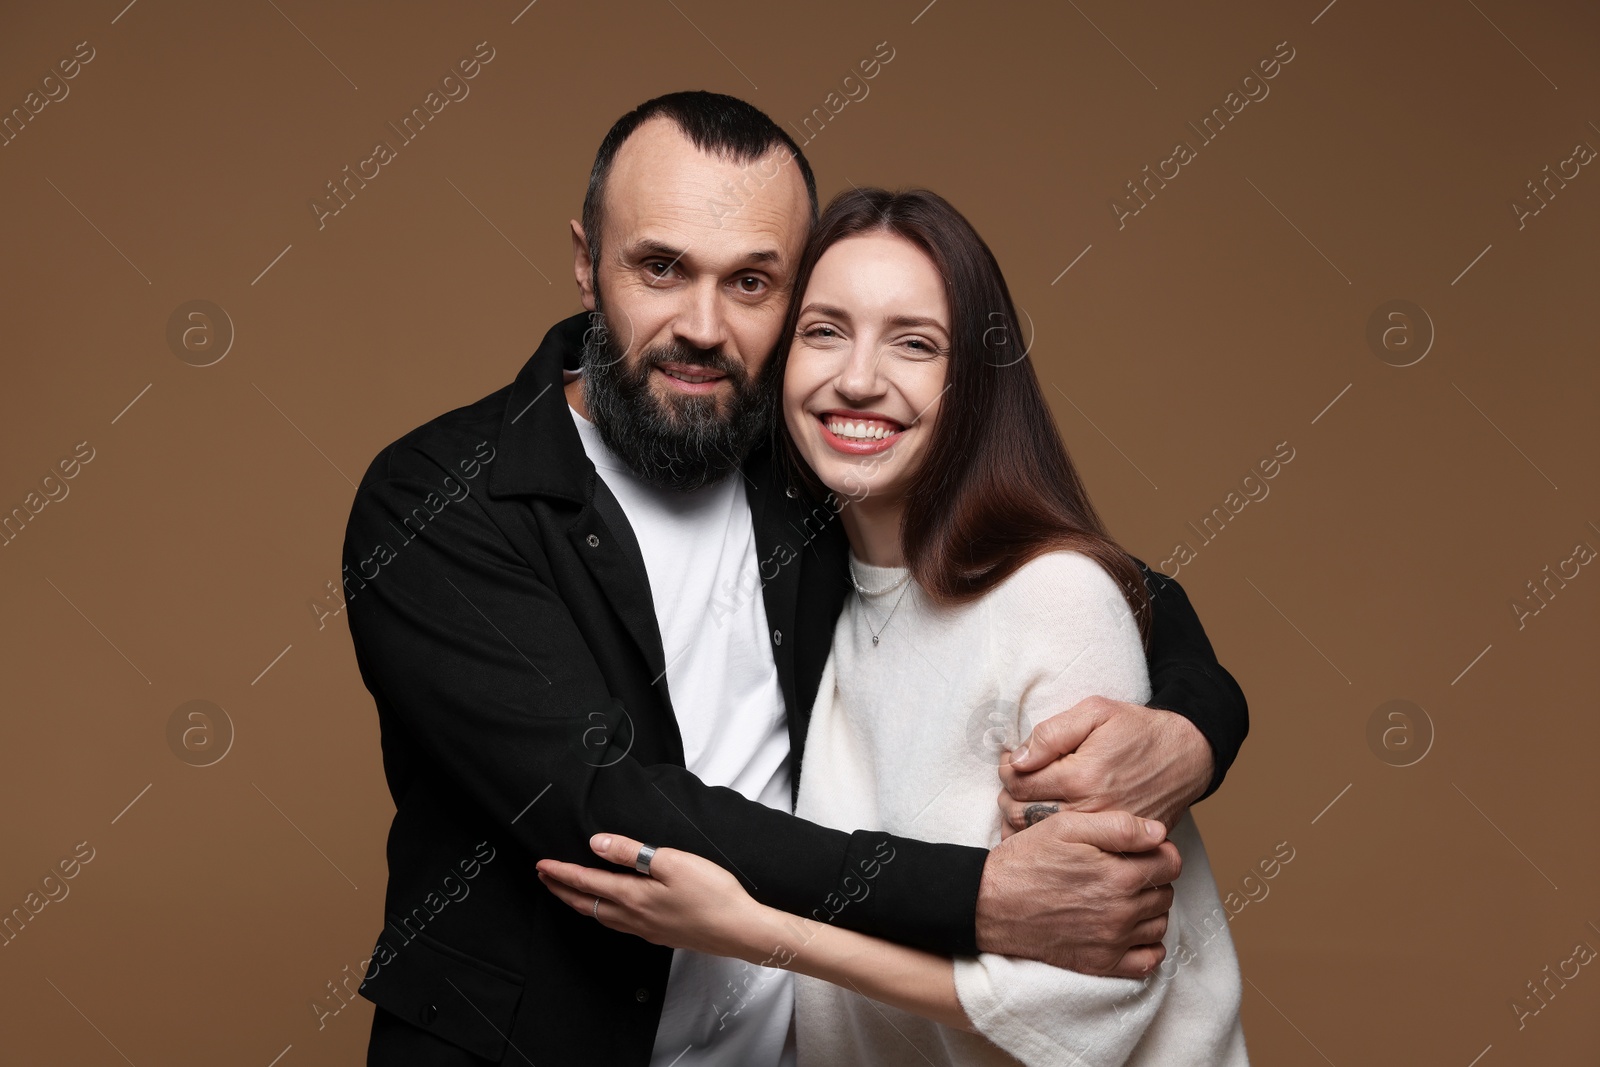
[{"x": 859, "y": 431}]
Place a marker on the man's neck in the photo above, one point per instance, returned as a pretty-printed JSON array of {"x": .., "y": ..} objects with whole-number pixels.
[{"x": 575, "y": 400}]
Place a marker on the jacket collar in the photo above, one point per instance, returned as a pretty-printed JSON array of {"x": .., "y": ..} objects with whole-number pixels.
[{"x": 540, "y": 450}]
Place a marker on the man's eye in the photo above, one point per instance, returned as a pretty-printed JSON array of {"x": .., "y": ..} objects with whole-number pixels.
[
  {"x": 657, "y": 268},
  {"x": 750, "y": 283}
]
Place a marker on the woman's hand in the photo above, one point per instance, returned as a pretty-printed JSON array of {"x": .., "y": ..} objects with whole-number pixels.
[{"x": 686, "y": 902}]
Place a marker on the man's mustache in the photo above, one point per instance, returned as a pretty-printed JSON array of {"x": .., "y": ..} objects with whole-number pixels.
[{"x": 710, "y": 358}]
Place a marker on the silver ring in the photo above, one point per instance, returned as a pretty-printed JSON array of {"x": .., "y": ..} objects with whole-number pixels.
[
  {"x": 597, "y": 908},
  {"x": 641, "y": 863}
]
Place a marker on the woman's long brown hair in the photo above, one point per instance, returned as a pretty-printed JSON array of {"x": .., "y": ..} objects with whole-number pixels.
[{"x": 996, "y": 487}]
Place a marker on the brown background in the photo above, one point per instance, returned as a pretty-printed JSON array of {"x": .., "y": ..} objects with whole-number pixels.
[{"x": 1178, "y": 351}]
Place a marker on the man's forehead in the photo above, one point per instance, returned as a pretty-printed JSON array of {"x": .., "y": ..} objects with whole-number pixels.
[{"x": 662, "y": 187}]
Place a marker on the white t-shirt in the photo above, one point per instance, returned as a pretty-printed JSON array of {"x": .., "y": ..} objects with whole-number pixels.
[{"x": 699, "y": 551}]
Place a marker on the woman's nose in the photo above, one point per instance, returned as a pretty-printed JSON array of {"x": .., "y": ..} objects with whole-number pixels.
[{"x": 859, "y": 376}]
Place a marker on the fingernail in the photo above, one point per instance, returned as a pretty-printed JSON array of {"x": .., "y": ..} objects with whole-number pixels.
[
  {"x": 601, "y": 842},
  {"x": 1154, "y": 828},
  {"x": 1019, "y": 754}
]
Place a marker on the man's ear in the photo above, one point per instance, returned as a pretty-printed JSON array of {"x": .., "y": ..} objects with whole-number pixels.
[{"x": 582, "y": 265}]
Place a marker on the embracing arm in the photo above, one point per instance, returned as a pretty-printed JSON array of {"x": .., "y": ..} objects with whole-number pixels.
[
  {"x": 906, "y": 978},
  {"x": 475, "y": 660},
  {"x": 689, "y": 902},
  {"x": 1186, "y": 678},
  {"x": 1153, "y": 759}
]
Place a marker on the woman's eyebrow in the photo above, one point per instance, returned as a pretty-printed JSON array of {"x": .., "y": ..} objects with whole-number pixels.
[
  {"x": 914, "y": 321},
  {"x": 900, "y": 321},
  {"x": 829, "y": 310}
]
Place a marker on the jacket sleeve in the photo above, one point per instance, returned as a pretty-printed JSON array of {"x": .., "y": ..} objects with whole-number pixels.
[
  {"x": 472, "y": 656},
  {"x": 1186, "y": 678}
]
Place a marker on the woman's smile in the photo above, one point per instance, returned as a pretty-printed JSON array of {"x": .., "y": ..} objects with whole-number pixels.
[{"x": 858, "y": 433}]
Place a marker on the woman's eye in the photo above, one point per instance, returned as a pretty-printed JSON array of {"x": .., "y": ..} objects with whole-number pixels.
[{"x": 822, "y": 332}]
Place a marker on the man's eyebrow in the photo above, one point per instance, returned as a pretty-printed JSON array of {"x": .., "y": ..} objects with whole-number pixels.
[{"x": 649, "y": 246}]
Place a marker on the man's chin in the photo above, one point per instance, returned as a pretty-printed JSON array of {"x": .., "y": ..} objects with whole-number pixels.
[{"x": 680, "y": 408}]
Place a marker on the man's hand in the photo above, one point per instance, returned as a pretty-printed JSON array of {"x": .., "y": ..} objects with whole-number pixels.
[
  {"x": 1105, "y": 755},
  {"x": 1085, "y": 891}
]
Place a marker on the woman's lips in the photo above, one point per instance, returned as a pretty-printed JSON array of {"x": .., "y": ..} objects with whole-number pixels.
[
  {"x": 858, "y": 446},
  {"x": 687, "y": 378}
]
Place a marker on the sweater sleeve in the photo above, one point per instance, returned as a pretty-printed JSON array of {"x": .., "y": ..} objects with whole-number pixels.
[{"x": 1060, "y": 608}]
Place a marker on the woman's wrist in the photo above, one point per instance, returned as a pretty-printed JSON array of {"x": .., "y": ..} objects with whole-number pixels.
[{"x": 759, "y": 933}]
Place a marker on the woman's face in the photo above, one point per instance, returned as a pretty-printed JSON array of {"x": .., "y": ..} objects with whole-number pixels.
[{"x": 867, "y": 365}]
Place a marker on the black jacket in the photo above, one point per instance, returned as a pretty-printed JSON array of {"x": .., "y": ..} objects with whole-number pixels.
[{"x": 502, "y": 621}]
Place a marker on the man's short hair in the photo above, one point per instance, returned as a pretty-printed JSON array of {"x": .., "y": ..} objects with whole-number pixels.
[{"x": 714, "y": 123}]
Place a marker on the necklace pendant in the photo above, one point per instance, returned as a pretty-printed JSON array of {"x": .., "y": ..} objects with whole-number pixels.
[{"x": 874, "y": 640}]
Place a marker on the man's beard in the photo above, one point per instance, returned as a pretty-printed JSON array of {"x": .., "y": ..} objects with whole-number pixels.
[{"x": 678, "y": 442}]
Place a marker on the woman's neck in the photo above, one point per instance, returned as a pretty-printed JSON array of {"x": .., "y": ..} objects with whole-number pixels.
[{"x": 873, "y": 527}]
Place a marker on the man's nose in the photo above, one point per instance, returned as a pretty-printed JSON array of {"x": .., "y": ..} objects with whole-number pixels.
[{"x": 701, "y": 323}]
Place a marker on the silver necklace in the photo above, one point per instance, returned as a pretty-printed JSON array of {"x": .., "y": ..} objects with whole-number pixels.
[{"x": 864, "y": 593}]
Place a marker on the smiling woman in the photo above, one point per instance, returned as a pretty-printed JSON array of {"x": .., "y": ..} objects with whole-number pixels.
[{"x": 900, "y": 302}]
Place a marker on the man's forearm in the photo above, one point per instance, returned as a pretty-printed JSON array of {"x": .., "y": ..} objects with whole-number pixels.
[
  {"x": 1186, "y": 678},
  {"x": 916, "y": 893}
]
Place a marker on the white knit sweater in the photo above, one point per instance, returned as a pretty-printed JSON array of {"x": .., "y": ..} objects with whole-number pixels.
[{"x": 905, "y": 737}]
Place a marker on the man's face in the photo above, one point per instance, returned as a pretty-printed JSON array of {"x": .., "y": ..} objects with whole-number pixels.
[{"x": 692, "y": 281}]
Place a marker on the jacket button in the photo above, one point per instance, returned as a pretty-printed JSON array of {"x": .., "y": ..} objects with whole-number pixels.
[
  {"x": 641, "y": 995},
  {"x": 777, "y": 637},
  {"x": 594, "y": 540},
  {"x": 791, "y": 492},
  {"x": 428, "y": 1013}
]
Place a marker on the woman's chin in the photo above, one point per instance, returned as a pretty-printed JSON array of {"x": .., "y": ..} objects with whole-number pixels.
[
  {"x": 840, "y": 482},
  {"x": 849, "y": 477},
  {"x": 850, "y": 483}
]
